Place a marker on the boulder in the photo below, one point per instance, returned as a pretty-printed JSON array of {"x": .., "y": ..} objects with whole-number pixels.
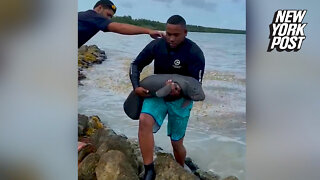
[
  {"x": 203, "y": 175},
  {"x": 101, "y": 134},
  {"x": 82, "y": 120},
  {"x": 84, "y": 151},
  {"x": 93, "y": 48},
  {"x": 82, "y": 124},
  {"x": 119, "y": 158},
  {"x": 89, "y": 57},
  {"x": 158, "y": 149},
  {"x": 86, "y": 169},
  {"x": 193, "y": 167},
  {"x": 137, "y": 153},
  {"x": 113, "y": 166},
  {"x": 95, "y": 122},
  {"x": 231, "y": 178},
  {"x": 85, "y": 139},
  {"x": 83, "y": 49},
  {"x": 80, "y": 75},
  {"x": 121, "y": 144},
  {"x": 168, "y": 169}
]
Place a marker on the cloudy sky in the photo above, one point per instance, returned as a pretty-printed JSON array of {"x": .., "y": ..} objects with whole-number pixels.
[{"x": 230, "y": 14}]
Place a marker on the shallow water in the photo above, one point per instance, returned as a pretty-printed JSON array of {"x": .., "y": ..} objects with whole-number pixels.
[{"x": 215, "y": 137}]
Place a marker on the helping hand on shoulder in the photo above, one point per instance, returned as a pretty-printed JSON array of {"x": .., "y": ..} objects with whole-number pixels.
[{"x": 156, "y": 34}]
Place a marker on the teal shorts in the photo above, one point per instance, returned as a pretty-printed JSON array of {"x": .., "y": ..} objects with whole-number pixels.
[{"x": 177, "y": 116}]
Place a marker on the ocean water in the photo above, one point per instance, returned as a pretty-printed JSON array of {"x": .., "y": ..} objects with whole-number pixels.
[{"x": 215, "y": 137}]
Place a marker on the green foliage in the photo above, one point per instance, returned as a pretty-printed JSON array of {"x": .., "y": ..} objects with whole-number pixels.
[{"x": 161, "y": 26}]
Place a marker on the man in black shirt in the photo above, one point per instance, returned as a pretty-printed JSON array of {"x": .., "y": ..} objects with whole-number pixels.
[
  {"x": 92, "y": 21},
  {"x": 174, "y": 54}
]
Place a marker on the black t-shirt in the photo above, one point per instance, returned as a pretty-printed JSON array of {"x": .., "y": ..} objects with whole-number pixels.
[
  {"x": 187, "y": 59},
  {"x": 89, "y": 23}
]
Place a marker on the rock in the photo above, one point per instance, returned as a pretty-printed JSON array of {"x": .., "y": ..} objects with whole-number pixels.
[
  {"x": 82, "y": 119},
  {"x": 88, "y": 126},
  {"x": 121, "y": 159},
  {"x": 95, "y": 122},
  {"x": 82, "y": 124},
  {"x": 168, "y": 169},
  {"x": 137, "y": 153},
  {"x": 84, "y": 151},
  {"x": 81, "y": 130},
  {"x": 102, "y": 52},
  {"x": 85, "y": 139},
  {"x": 123, "y": 136},
  {"x": 81, "y": 76},
  {"x": 121, "y": 144},
  {"x": 231, "y": 178},
  {"x": 103, "y": 148},
  {"x": 113, "y": 166},
  {"x": 81, "y": 145},
  {"x": 193, "y": 167},
  {"x": 88, "y": 57},
  {"x": 158, "y": 149},
  {"x": 206, "y": 175},
  {"x": 103, "y": 57},
  {"x": 83, "y": 49},
  {"x": 93, "y": 48},
  {"x": 86, "y": 169},
  {"x": 100, "y": 134},
  {"x": 90, "y": 131},
  {"x": 98, "y": 60}
]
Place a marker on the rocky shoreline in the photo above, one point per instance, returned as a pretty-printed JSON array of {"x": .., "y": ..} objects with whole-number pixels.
[
  {"x": 87, "y": 57},
  {"x": 105, "y": 155}
]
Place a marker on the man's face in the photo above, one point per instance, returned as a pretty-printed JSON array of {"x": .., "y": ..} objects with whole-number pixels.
[
  {"x": 175, "y": 34},
  {"x": 105, "y": 12}
]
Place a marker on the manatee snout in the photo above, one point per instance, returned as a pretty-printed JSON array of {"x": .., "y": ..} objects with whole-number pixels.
[{"x": 196, "y": 93}]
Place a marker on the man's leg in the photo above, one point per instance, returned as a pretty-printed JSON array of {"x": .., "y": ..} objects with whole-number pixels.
[
  {"x": 151, "y": 118},
  {"x": 146, "y": 140},
  {"x": 146, "y": 143},
  {"x": 178, "y": 117},
  {"x": 179, "y": 151}
]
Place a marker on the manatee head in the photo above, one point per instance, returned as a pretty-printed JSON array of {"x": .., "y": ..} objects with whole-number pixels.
[{"x": 194, "y": 91}]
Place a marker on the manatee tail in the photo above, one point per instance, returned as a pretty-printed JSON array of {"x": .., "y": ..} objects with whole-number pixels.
[{"x": 133, "y": 105}]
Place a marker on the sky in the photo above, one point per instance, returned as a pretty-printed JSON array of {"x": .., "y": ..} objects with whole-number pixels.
[{"x": 229, "y": 14}]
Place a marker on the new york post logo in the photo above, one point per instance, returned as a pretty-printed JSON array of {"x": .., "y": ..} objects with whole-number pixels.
[{"x": 287, "y": 30}]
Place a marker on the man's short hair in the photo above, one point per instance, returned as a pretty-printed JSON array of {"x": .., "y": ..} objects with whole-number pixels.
[
  {"x": 177, "y": 20},
  {"x": 106, "y": 4}
]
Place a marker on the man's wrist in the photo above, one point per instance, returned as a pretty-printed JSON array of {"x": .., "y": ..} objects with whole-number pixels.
[
  {"x": 149, "y": 31},
  {"x": 135, "y": 87}
]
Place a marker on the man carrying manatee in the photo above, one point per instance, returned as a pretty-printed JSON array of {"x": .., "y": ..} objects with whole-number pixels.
[{"x": 173, "y": 54}]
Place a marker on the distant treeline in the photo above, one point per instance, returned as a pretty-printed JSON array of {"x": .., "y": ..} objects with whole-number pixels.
[{"x": 161, "y": 26}]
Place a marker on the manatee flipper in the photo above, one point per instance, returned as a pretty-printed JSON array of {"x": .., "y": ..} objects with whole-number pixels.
[
  {"x": 133, "y": 105},
  {"x": 165, "y": 91}
]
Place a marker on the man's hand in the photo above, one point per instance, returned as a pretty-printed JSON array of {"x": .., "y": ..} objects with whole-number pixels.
[
  {"x": 140, "y": 91},
  {"x": 156, "y": 34}
]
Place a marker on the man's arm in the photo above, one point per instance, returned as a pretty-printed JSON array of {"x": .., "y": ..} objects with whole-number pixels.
[
  {"x": 128, "y": 29},
  {"x": 197, "y": 67},
  {"x": 144, "y": 58}
]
